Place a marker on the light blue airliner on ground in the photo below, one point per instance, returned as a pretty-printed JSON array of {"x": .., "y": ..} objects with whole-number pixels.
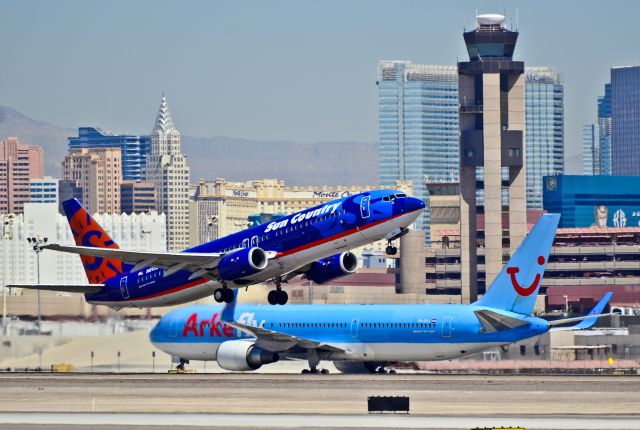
[{"x": 246, "y": 337}]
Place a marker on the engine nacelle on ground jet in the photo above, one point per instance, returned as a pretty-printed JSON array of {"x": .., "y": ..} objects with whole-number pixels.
[
  {"x": 327, "y": 269},
  {"x": 243, "y": 355},
  {"x": 241, "y": 263}
]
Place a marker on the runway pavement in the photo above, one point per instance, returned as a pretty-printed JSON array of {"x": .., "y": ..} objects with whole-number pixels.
[{"x": 317, "y": 401}]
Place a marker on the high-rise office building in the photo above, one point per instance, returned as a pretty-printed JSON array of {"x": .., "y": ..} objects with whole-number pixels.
[
  {"x": 43, "y": 190},
  {"x": 18, "y": 165},
  {"x": 417, "y": 123},
  {"x": 491, "y": 91},
  {"x": 590, "y": 150},
  {"x": 625, "y": 114},
  {"x": 167, "y": 169},
  {"x": 136, "y": 197},
  {"x": 98, "y": 171},
  {"x": 544, "y": 146},
  {"x": 603, "y": 166},
  {"x": 417, "y": 126},
  {"x": 134, "y": 148}
]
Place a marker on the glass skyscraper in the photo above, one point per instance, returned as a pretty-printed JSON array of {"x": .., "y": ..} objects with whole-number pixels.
[
  {"x": 544, "y": 134},
  {"x": 604, "y": 132},
  {"x": 417, "y": 126},
  {"x": 625, "y": 126},
  {"x": 134, "y": 148}
]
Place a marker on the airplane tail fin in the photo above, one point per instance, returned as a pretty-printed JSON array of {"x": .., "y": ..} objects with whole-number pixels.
[
  {"x": 516, "y": 288},
  {"x": 87, "y": 232}
]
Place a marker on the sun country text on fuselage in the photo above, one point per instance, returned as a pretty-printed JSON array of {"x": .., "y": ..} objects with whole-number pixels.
[{"x": 313, "y": 242}]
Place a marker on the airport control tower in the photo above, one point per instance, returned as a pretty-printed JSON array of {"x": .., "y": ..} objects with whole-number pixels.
[{"x": 492, "y": 173}]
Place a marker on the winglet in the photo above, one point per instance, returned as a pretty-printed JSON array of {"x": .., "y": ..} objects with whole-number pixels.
[{"x": 588, "y": 320}]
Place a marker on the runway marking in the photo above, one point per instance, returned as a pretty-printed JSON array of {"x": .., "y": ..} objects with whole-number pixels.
[{"x": 328, "y": 421}]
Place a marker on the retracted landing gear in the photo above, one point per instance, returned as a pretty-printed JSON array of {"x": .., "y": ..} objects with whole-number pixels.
[
  {"x": 278, "y": 296},
  {"x": 224, "y": 294}
]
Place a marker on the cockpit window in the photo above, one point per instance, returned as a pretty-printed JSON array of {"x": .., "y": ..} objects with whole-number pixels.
[
  {"x": 401, "y": 195},
  {"x": 386, "y": 199}
]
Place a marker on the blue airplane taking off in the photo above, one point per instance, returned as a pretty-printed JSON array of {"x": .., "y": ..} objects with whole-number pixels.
[
  {"x": 314, "y": 243},
  {"x": 370, "y": 336}
]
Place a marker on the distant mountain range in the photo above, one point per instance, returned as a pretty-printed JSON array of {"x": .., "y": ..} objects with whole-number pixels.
[{"x": 321, "y": 163}]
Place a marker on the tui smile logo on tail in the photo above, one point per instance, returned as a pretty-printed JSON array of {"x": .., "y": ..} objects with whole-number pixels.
[{"x": 512, "y": 271}]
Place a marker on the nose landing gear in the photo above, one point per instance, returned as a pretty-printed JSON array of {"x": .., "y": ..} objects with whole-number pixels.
[{"x": 391, "y": 250}]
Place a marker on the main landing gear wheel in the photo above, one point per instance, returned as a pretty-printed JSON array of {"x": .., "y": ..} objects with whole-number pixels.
[
  {"x": 223, "y": 294},
  {"x": 315, "y": 371},
  {"x": 180, "y": 366},
  {"x": 277, "y": 297}
]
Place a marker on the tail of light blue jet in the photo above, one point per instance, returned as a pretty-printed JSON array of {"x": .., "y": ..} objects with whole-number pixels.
[{"x": 516, "y": 288}]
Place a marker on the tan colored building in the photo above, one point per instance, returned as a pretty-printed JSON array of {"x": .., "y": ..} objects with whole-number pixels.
[
  {"x": 220, "y": 207},
  {"x": 137, "y": 197},
  {"x": 18, "y": 165},
  {"x": 98, "y": 171}
]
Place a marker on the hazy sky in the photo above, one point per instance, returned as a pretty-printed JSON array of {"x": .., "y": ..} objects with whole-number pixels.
[{"x": 297, "y": 70}]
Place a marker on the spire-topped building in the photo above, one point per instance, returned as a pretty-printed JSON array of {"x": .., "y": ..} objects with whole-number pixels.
[
  {"x": 167, "y": 169},
  {"x": 164, "y": 121}
]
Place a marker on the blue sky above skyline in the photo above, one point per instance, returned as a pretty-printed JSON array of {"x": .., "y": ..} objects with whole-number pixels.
[{"x": 292, "y": 70}]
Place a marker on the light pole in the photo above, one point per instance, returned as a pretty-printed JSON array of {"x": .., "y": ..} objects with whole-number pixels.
[
  {"x": 37, "y": 242},
  {"x": 7, "y": 234}
]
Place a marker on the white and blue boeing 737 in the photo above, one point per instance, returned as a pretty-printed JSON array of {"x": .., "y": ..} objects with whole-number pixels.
[{"x": 370, "y": 336}]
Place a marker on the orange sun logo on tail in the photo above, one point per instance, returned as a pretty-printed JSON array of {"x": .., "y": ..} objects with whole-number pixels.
[{"x": 87, "y": 232}]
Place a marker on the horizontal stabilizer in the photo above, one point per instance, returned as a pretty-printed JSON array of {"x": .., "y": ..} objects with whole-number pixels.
[
  {"x": 66, "y": 288},
  {"x": 576, "y": 319},
  {"x": 586, "y": 321},
  {"x": 493, "y": 322}
]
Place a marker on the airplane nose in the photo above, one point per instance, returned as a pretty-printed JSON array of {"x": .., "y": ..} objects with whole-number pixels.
[
  {"x": 414, "y": 204},
  {"x": 154, "y": 334}
]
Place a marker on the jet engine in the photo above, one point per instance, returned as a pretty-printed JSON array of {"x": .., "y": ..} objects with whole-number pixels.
[
  {"x": 358, "y": 366},
  {"x": 327, "y": 269},
  {"x": 244, "y": 262},
  {"x": 243, "y": 355}
]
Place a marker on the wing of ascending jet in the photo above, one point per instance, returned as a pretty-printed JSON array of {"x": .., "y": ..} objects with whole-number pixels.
[
  {"x": 277, "y": 341},
  {"x": 198, "y": 263}
]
